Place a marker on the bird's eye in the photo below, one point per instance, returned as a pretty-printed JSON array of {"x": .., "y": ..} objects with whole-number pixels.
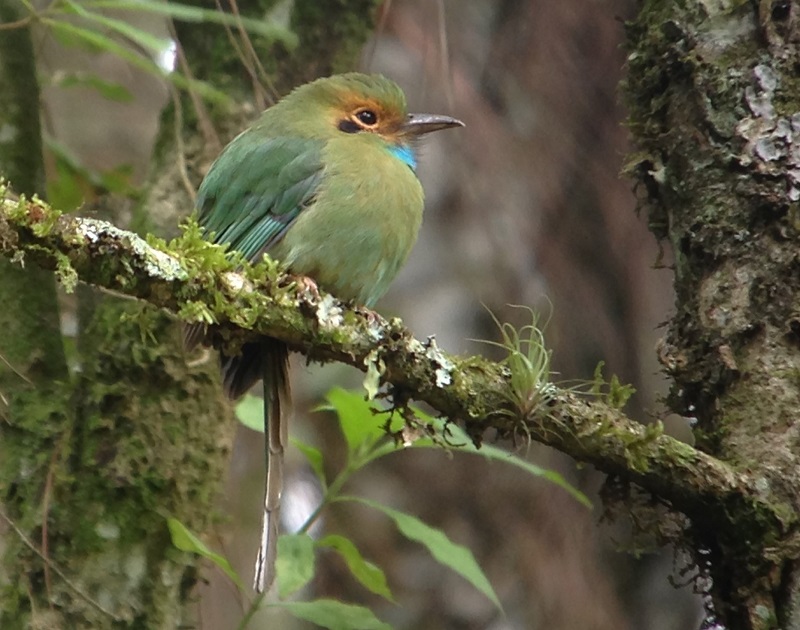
[
  {"x": 367, "y": 117},
  {"x": 363, "y": 119}
]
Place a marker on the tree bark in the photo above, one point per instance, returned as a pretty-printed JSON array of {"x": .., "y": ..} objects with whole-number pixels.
[{"x": 712, "y": 91}]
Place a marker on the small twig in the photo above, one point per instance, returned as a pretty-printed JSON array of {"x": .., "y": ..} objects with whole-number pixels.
[
  {"x": 15, "y": 370},
  {"x": 241, "y": 54},
  {"x": 254, "y": 608},
  {"x": 179, "y": 146},
  {"x": 28, "y": 543},
  {"x": 48, "y": 487},
  {"x": 203, "y": 119},
  {"x": 237, "y": 594},
  {"x": 8, "y": 26},
  {"x": 265, "y": 98}
]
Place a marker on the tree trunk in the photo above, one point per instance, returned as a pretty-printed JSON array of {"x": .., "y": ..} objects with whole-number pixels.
[
  {"x": 30, "y": 348},
  {"x": 712, "y": 91}
]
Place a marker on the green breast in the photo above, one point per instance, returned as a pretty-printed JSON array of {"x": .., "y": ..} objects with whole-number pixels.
[{"x": 364, "y": 220}]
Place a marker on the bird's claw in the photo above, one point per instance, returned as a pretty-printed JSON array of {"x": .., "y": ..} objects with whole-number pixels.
[
  {"x": 373, "y": 318},
  {"x": 305, "y": 284}
]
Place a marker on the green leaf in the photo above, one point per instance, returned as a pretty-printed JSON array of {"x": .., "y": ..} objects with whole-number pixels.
[
  {"x": 136, "y": 35},
  {"x": 118, "y": 180},
  {"x": 335, "y": 615},
  {"x": 70, "y": 34},
  {"x": 360, "y": 426},
  {"x": 452, "y": 555},
  {"x": 363, "y": 426},
  {"x": 250, "y": 412},
  {"x": 72, "y": 183},
  {"x": 459, "y": 441},
  {"x": 294, "y": 565},
  {"x": 364, "y": 571},
  {"x": 498, "y": 454},
  {"x": 185, "y": 13},
  {"x": 185, "y": 540},
  {"x": 64, "y": 187},
  {"x": 314, "y": 457},
  {"x": 107, "y": 89}
]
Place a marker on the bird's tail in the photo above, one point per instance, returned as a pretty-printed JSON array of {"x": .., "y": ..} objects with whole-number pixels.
[
  {"x": 275, "y": 363},
  {"x": 239, "y": 371},
  {"x": 267, "y": 359}
]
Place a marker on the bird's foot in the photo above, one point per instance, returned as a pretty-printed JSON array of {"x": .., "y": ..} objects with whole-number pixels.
[
  {"x": 373, "y": 317},
  {"x": 305, "y": 284}
]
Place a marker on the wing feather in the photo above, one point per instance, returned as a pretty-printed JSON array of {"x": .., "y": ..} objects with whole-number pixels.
[{"x": 257, "y": 188}]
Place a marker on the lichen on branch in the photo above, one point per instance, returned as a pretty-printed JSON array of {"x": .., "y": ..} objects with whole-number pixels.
[{"x": 200, "y": 282}]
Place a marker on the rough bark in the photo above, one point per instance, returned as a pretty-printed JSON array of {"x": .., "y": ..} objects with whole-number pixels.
[{"x": 712, "y": 90}]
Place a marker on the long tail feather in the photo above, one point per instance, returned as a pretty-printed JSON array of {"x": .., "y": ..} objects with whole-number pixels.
[
  {"x": 241, "y": 371},
  {"x": 277, "y": 397},
  {"x": 194, "y": 335},
  {"x": 268, "y": 360}
]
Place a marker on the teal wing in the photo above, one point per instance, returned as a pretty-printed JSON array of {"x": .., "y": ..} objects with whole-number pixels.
[
  {"x": 257, "y": 188},
  {"x": 253, "y": 192}
]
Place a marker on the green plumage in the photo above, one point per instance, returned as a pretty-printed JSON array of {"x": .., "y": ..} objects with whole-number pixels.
[
  {"x": 324, "y": 182},
  {"x": 338, "y": 207}
]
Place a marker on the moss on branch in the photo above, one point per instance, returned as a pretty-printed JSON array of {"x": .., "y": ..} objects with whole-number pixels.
[{"x": 197, "y": 281}]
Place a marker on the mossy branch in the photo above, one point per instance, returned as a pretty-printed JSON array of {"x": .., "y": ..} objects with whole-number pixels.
[{"x": 196, "y": 281}]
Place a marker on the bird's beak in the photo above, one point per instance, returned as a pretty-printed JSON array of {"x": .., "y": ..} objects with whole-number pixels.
[{"x": 418, "y": 124}]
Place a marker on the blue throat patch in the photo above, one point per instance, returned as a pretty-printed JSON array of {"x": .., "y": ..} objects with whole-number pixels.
[{"x": 405, "y": 154}]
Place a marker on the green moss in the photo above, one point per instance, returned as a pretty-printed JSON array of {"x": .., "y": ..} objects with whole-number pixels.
[
  {"x": 614, "y": 393},
  {"x": 196, "y": 312},
  {"x": 331, "y": 38},
  {"x": 65, "y": 273},
  {"x": 639, "y": 446},
  {"x": 33, "y": 212},
  {"x": 146, "y": 437},
  {"x": 33, "y": 428}
]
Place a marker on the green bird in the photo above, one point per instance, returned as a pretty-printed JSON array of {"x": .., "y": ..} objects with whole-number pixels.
[{"x": 325, "y": 182}]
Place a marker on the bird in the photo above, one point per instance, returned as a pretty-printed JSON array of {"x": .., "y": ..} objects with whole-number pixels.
[{"x": 325, "y": 182}]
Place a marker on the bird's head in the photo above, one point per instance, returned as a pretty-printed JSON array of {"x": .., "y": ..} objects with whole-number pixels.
[{"x": 356, "y": 103}]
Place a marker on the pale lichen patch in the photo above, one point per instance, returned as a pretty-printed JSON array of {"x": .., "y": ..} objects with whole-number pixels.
[
  {"x": 772, "y": 142},
  {"x": 156, "y": 263},
  {"x": 445, "y": 367},
  {"x": 235, "y": 282},
  {"x": 329, "y": 313},
  {"x": 375, "y": 369},
  {"x": 107, "y": 530},
  {"x": 374, "y": 330}
]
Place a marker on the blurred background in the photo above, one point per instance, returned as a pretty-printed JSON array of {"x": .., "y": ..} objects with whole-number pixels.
[{"x": 525, "y": 206}]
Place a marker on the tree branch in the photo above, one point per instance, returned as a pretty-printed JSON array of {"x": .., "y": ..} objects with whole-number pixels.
[{"x": 194, "y": 280}]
